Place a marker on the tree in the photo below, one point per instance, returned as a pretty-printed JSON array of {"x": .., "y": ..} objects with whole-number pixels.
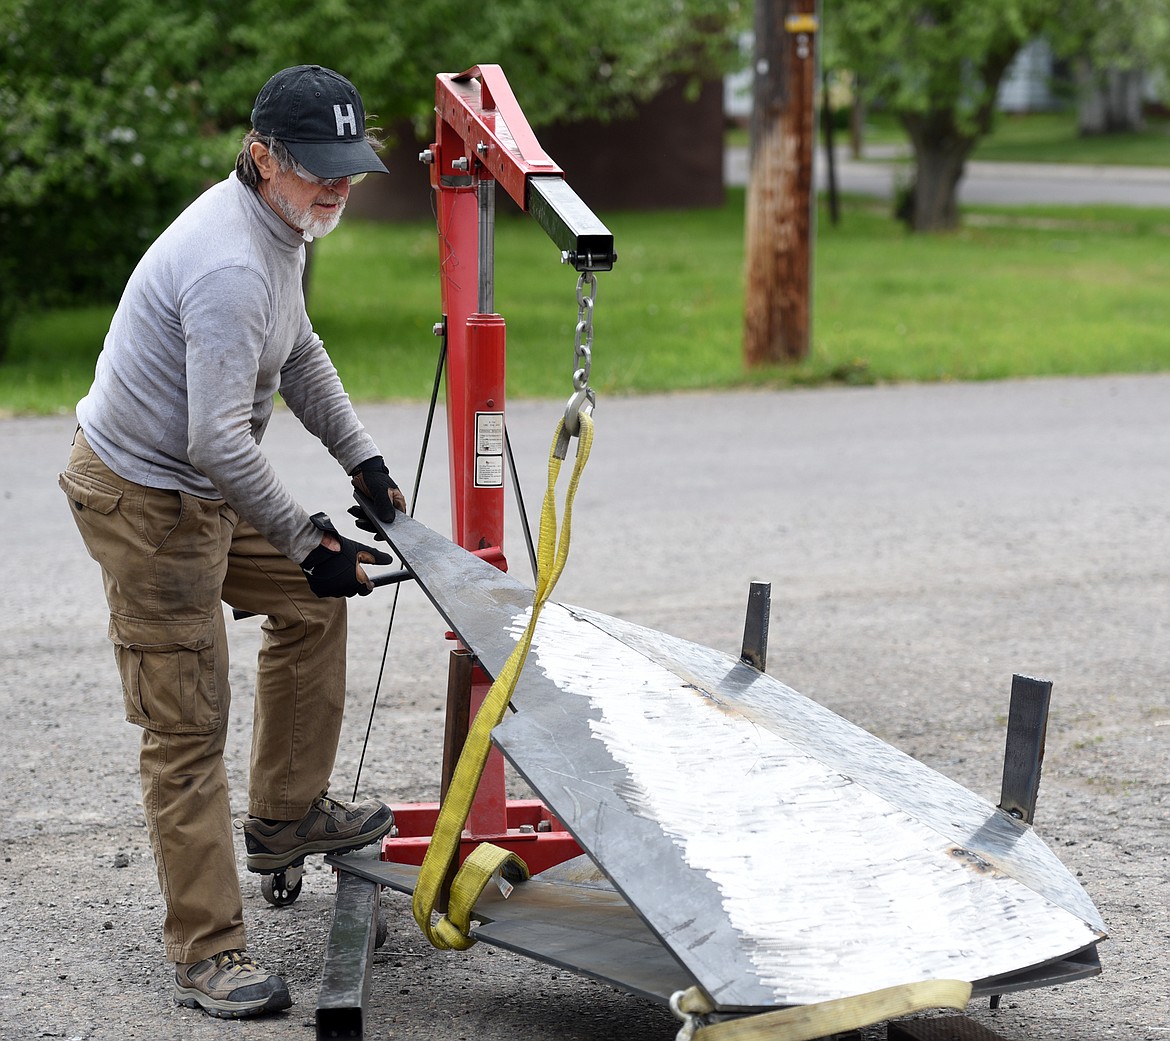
[
  {"x": 115, "y": 113},
  {"x": 1113, "y": 46},
  {"x": 937, "y": 65},
  {"x": 564, "y": 60},
  {"x": 102, "y": 131}
]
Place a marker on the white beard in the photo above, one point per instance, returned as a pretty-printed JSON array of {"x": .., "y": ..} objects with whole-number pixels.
[{"x": 312, "y": 227}]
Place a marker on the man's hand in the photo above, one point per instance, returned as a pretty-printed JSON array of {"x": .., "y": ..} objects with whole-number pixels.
[
  {"x": 373, "y": 480},
  {"x": 338, "y": 571}
]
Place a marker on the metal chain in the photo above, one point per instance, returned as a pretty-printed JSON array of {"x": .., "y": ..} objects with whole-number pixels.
[
  {"x": 583, "y": 399},
  {"x": 583, "y": 341}
]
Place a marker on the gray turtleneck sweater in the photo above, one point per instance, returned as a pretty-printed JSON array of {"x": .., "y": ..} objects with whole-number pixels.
[{"x": 211, "y": 325}]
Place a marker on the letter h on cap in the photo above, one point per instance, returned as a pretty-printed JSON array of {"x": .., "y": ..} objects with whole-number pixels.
[{"x": 345, "y": 118}]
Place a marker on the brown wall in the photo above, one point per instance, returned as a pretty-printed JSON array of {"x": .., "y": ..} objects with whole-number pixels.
[{"x": 669, "y": 156}]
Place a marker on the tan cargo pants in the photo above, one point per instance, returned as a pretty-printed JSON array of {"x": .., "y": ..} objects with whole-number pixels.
[{"x": 168, "y": 560}]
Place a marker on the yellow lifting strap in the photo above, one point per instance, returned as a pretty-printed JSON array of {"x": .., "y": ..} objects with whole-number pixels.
[
  {"x": 823, "y": 1019},
  {"x": 452, "y": 930}
]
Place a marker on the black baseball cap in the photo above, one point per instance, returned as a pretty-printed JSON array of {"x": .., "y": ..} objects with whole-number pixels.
[{"x": 317, "y": 114}]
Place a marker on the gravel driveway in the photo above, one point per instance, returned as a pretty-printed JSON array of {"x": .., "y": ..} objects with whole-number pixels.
[{"x": 923, "y": 544}]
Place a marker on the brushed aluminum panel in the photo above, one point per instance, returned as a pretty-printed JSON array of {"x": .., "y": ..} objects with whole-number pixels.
[{"x": 782, "y": 854}]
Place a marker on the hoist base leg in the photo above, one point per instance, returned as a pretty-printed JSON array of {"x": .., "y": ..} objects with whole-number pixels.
[
  {"x": 523, "y": 826},
  {"x": 345, "y": 979}
]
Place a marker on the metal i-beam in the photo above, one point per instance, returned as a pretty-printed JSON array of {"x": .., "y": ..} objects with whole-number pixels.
[
  {"x": 345, "y": 978},
  {"x": 585, "y": 243}
]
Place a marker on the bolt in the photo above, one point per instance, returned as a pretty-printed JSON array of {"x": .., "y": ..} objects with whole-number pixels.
[{"x": 426, "y": 157}]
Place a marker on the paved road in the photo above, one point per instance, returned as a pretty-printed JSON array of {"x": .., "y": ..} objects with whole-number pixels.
[
  {"x": 923, "y": 542},
  {"x": 994, "y": 183}
]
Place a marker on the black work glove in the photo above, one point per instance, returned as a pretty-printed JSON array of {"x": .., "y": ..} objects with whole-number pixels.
[
  {"x": 333, "y": 573},
  {"x": 373, "y": 480}
]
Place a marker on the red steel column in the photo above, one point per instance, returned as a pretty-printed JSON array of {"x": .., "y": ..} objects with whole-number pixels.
[{"x": 475, "y": 379}]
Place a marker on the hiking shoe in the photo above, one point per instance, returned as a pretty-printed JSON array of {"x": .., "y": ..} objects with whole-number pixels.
[
  {"x": 230, "y": 985},
  {"x": 329, "y": 827}
]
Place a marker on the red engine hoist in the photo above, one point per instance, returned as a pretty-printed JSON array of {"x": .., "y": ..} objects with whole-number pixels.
[{"x": 483, "y": 139}]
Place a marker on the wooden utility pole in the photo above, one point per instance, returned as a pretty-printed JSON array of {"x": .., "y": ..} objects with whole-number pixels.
[{"x": 778, "y": 248}]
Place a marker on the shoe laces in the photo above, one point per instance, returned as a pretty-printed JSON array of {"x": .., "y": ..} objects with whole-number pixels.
[
  {"x": 237, "y": 959},
  {"x": 332, "y": 806}
]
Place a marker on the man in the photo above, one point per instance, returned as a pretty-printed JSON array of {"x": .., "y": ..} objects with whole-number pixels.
[{"x": 176, "y": 501}]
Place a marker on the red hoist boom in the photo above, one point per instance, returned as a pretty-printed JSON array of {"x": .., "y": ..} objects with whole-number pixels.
[{"x": 483, "y": 139}]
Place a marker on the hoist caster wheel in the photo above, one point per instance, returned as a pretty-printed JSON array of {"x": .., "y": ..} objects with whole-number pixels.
[
  {"x": 282, "y": 887},
  {"x": 381, "y": 929}
]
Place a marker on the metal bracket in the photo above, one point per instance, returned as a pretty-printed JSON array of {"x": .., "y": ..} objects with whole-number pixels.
[
  {"x": 1024, "y": 751},
  {"x": 755, "y": 627}
]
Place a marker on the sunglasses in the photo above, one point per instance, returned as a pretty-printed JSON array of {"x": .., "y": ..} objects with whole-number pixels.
[{"x": 325, "y": 182}]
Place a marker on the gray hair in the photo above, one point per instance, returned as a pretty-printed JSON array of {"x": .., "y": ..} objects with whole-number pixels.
[
  {"x": 246, "y": 169},
  {"x": 249, "y": 174}
]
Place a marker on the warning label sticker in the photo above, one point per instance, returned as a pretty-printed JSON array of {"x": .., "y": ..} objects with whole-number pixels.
[
  {"x": 489, "y": 433},
  {"x": 489, "y": 471},
  {"x": 489, "y": 449}
]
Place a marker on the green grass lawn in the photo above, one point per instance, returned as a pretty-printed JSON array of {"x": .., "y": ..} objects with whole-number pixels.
[
  {"x": 1041, "y": 137},
  {"x": 1054, "y": 292},
  {"x": 1018, "y": 292},
  {"x": 1052, "y": 138}
]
